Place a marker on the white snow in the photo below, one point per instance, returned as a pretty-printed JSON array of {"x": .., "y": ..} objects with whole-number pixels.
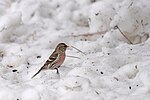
[
  {"x": 30, "y": 94},
  {"x": 112, "y": 69}
]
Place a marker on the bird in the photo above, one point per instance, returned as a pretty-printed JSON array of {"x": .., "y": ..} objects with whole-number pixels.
[{"x": 55, "y": 60}]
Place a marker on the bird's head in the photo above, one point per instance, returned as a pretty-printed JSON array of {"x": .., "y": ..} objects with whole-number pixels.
[{"x": 61, "y": 47}]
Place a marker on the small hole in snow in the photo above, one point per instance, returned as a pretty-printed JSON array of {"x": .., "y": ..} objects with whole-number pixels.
[
  {"x": 93, "y": 1},
  {"x": 136, "y": 66},
  {"x": 102, "y": 73},
  {"x": 32, "y": 14},
  {"x": 108, "y": 42},
  {"x": 58, "y": 6},
  {"x": 38, "y": 56},
  {"x": 137, "y": 85},
  {"x": 146, "y": 24},
  {"x": 14, "y": 70},
  {"x": 130, "y": 87},
  {"x": 28, "y": 63},
  {"x": 97, "y": 14},
  {"x": 96, "y": 69},
  {"x": 9, "y": 66}
]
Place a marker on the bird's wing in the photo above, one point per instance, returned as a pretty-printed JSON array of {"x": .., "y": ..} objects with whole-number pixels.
[
  {"x": 49, "y": 63},
  {"x": 51, "y": 60},
  {"x": 53, "y": 57}
]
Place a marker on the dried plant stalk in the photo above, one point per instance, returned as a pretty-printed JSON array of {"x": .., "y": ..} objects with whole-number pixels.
[
  {"x": 90, "y": 34},
  {"x": 78, "y": 50},
  {"x": 116, "y": 27},
  {"x": 87, "y": 36},
  {"x": 73, "y": 57}
]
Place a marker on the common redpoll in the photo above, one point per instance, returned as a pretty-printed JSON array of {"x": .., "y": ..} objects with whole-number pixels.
[{"x": 56, "y": 59}]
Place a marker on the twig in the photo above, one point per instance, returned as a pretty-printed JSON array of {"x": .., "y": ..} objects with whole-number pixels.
[
  {"x": 3, "y": 29},
  {"x": 89, "y": 34},
  {"x": 73, "y": 57},
  {"x": 78, "y": 50},
  {"x": 130, "y": 5},
  {"x": 116, "y": 27}
]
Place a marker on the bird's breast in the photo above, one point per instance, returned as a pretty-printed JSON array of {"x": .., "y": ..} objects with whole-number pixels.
[{"x": 62, "y": 58}]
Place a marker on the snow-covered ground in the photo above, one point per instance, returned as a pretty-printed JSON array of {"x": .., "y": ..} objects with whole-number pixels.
[{"x": 112, "y": 69}]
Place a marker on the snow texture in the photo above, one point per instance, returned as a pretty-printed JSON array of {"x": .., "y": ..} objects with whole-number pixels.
[{"x": 112, "y": 69}]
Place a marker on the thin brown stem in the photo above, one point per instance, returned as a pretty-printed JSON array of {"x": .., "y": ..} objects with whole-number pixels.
[
  {"x": 78, "y": 50},
  {"x": 130, "y": 4},
  {"x": 73, "y": 57},
  {"x": 3, "y": 29},
  {"x": 123, "y": 34}
]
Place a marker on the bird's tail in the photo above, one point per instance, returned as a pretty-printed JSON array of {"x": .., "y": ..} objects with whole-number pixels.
[{"x": 37, "y": 72}]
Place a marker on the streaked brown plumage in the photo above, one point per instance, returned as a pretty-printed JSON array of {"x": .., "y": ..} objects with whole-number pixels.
[{"x": 56, "y": 59}]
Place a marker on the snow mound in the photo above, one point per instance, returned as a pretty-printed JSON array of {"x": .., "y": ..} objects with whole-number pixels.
[{"x": 113, "y": 34}]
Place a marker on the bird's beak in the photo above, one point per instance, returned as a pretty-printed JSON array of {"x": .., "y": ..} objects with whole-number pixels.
[{"x": 67, "y": 46}]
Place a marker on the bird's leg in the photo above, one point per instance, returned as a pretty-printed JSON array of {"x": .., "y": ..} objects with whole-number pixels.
[{"x": 57, "y": 71}]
